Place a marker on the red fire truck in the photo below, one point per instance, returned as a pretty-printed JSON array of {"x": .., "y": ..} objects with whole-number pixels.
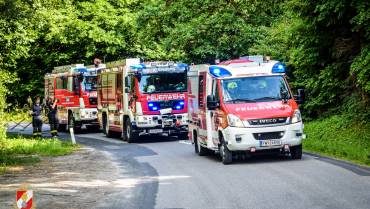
[
  {"x": 75, "y": 88},
  {"x": 137, "y": 99},
  {"x": 244, "y": 106}
]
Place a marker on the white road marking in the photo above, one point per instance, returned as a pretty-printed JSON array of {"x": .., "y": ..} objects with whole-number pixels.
[{"x": 185, "y": 142}]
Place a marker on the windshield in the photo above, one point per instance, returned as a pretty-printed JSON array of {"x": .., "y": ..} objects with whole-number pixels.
[
  {"x": 254, "y": 89},
  {"x": 168, "y": 82},
  {"x": 90, "y": 83}
]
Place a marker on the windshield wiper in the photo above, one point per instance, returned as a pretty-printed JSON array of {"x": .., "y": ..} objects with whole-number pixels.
[
  {"x": 240, "y": 100},
  {"x": 269, "y": 98}
]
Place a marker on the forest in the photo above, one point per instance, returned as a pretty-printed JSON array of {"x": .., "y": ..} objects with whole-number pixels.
[{"x": 325, "y": 45}]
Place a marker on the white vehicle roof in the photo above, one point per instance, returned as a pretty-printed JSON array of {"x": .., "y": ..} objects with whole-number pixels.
[{"x": 241, "y": 68}]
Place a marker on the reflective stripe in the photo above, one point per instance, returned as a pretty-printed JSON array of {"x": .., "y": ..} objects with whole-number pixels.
[{"x": 53, "y": 131}]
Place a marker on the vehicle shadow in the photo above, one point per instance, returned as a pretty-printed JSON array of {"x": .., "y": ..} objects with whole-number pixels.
[{"x": 254, "y": 159}]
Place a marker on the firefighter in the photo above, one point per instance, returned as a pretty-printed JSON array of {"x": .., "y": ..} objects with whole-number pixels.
[
  {"x": 52, "y": 116},
  {"x": 36, "y": 118}
]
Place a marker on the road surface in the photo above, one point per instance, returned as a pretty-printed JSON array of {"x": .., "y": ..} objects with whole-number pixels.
[{"x": 166, "y": 173}]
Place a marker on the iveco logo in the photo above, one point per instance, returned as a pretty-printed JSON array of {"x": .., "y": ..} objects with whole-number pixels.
[
  {"x": 263, "y": 121},
  {"x": 266, "y": 121}
]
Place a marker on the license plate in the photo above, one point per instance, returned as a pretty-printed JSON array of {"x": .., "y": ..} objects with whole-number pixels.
[
  {"x": 269, "y": 143},
  {"x": 155, "y": 131}
]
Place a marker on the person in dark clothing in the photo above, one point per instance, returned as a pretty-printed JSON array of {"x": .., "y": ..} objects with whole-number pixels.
[
  {"x": 52, "y": 115},
  {"x": 36, "y": 118}
]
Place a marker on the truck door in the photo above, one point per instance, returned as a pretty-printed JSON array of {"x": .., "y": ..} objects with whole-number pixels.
[
  {"x": 215, "y": 114},
  {"x": 210, "y": 114},
  {"x": 202, "y": 94}
]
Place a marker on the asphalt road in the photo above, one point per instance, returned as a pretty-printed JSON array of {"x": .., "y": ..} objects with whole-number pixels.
[
  {"x": 168, "y": 174},
  {"x": 164, "y": 172}
]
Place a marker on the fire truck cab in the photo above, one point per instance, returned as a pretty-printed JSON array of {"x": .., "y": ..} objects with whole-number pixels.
[
  {"x": 75, "y": 88},
  {"x": 244, "y": 106},
  {"x": 137, "y": 99}
]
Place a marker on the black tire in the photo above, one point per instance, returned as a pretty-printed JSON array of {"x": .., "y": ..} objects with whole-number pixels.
[
  {"x": 129, "y": 135},
  {"x": 296, "y": 152},
  {"x": 72, "y": 124},
  {"x": 106, "y": 130},
  {"x": 198, "y": 148},
  {"x": 182, "y": 136},
  {"x": 62, "y": 127},
  {"x": 226, "y": 154}
]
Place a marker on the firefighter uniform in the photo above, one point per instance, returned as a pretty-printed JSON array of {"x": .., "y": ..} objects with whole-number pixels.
[
  {"x": 36, "y": 119},
  {"x": 53, "y": 118}
]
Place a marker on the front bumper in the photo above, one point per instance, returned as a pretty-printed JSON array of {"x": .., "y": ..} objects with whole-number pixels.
[
  {"x": 243, "y": 139},
  {"x": 88, "y": 115},
  {"x": 159, "y": 130},
  {"x": 159, "y": 124}
]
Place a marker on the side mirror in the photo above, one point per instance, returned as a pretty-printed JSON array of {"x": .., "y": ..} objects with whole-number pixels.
[
  {"x": 80, "y": 78},
  {"x": 300, "y": 97},
  {"x": 126, "y": 82},
  {"x": 212, "y": 103}
]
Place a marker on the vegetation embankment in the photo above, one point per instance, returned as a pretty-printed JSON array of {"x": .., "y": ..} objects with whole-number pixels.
[
  {"x": 16, "y": 150},
  {"x": 339, "y": 137}
]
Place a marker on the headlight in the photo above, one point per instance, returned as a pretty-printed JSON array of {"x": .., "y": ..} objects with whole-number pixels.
[
  {"x": 296, "y": 117},
  {"x": 83, "y": 113},
  {"x": 234, "y": 121}
]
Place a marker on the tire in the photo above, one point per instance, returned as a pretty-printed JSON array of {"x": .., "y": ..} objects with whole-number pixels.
[
  {"x": 129, "y": 135},
  {"x": 182, "y": 136},
  {"x": 201, "y": 151},
  {"x": 62, "y": 127},
  {"x": 226, "y": 154},
  {"x": 106, "y": 130},
  {"x": 296, "y": 152},
  {"x": 72, "y": 124}
]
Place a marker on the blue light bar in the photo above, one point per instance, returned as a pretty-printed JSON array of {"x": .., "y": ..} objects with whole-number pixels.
[
  {"x": 278, "y": 68},
  {"x": 138, "y": 67},
  {"x": 218, "y": 71},
  {"x": 182, "y": 65},
  {"x": 81, "y": 70},
  {"x": 153, "y": 106}
]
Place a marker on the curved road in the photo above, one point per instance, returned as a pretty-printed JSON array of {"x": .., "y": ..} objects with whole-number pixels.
[{"x": 166, "y": 173}]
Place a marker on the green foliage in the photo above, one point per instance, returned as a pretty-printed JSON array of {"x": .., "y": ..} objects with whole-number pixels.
[
  {"x": 337, "y": 136},
  {"x": 325, "y": 44},
  {"x": 20, "y": 150},
  {"x": 326, "y": 47}
]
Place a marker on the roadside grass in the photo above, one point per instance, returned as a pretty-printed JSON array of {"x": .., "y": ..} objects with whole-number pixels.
[
  {"x": 21, "y": 150},
  {"x": 340, "y": 138}
]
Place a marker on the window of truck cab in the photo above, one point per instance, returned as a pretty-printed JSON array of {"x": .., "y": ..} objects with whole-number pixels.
[
  {"x": 89, "y": 83},
  {"x": 254, "y": 89},
  {"x": 163, "y": 82}
]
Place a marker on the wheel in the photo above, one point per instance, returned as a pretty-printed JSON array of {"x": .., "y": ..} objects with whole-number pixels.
[
  {"x": 62, "y": 127},
  {"x": 106, "y": 130},
  {"x": 296, "y": 152},
  {"x": 72, "y": 124},
  {"x": 182, "y": 136},
  {"x": 226, "y": 154},
  {"x": 130, "y": 136},
  {"x": 198, "y": 148}
]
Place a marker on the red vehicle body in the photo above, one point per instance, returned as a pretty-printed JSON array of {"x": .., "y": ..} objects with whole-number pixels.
[
  {"x": 244, "y": 106},
  {"x": 137, "y": 99},
  {"x": 75, "y": 88}
]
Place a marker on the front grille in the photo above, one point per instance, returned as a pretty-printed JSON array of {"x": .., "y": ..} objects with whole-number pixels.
[
  {"x": 267, "y": 121},
  {"x": 93, "y": 101},
  {"x": 268, "y": 135}
]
